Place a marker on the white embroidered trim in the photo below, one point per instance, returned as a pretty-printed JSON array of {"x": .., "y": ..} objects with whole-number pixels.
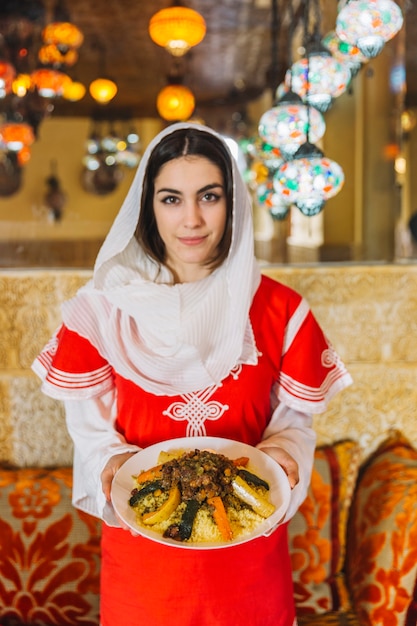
[
  {"x": 294, "y": 324},
  {"x": 196, "y": 410}
]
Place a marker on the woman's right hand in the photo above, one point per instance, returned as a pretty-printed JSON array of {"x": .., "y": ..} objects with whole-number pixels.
[
  {"x": 107, "y": 475},
  {"x": 110, "y": 469}
]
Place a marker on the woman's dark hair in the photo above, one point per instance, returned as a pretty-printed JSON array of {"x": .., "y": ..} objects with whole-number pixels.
[{"x": 183, "y": 142}]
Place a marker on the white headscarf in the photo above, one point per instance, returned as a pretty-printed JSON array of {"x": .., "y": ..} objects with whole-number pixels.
[{"x": 169, "y": 338}]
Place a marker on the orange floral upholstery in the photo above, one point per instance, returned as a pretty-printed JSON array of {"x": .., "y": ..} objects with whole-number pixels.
[
  {"x": 382, "y": 535},
  {"x": 317, "y": 532},
  {"x": 49, "y": 552}
]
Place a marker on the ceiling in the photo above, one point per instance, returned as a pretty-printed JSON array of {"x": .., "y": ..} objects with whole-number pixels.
[{"x": 231, "y": 66}]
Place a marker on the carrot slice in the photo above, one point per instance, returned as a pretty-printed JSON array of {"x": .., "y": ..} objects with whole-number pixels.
[
  {"x": 242, "y": 461},
  {"x": 220, "y": 517},
  {"x": 151, "y": 474}
]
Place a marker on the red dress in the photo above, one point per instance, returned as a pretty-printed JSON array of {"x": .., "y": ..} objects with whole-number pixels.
[{"x": 147, "y": 583}]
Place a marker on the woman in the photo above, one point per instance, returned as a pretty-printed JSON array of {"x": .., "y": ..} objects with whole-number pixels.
[{"x": 178, "y": 316}]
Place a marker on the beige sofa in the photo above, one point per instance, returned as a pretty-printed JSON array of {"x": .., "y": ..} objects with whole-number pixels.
[{"x": 352, "y": 543}]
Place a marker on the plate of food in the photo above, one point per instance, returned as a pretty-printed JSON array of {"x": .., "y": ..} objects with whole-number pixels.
[{"x": 201, "y": 493}]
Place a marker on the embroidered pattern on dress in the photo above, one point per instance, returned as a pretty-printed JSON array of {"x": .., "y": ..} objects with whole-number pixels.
[
  {"x": 196, "y": 410},
  {"x": 329, "y": 358},
  {"x": 235, "y": 371}
]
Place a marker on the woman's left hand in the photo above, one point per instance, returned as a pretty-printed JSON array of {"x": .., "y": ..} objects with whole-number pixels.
[{"x": 287, "y": 462}]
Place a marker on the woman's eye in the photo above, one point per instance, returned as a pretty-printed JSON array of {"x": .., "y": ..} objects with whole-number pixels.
[
  {"x": 170, "y": 200},
  {"x": 211, "y": 197}
]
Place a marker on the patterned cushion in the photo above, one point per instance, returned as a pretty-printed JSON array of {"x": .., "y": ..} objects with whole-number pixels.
[
  {"x": 49, "y": 552},
  {"x": 335, "y": 618},
  {"x": 317, "y": 533},
  {"x": 382, "y": 534}
]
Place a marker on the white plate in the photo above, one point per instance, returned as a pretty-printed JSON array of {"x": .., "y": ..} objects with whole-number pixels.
[{"x": 260, "y": 462}]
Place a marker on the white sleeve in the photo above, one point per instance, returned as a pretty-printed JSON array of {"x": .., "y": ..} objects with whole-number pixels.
[
  {"x": 292, "y": 430},
  {"x": 90, "y": 424}
]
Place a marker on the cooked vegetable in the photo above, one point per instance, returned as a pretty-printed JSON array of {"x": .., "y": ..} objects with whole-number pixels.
[
  {"x": 151, "y": 474},
  {"x": 253, "y": 479},
  {"x": 220, "y": 517},
  {"x": 260, "y": 505},
  {"x": 138, "y": 494},
  {"x": 183, "y": 530},
  {"x": 164, "y": 511},
  {"x": 169, "y": 496},
  {"x": 242, "y": 461}
]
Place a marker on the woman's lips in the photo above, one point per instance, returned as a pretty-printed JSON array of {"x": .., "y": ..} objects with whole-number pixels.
[{"x": 192, "y": 241}]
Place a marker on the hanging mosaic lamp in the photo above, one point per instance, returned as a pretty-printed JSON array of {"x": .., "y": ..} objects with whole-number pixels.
[
  {"x": 344, "y": 52},
  {"x": 269, "y": 154},
  {"x": 177, "y": 29},
  {"x": 102, "y": 90},
  {"x": 285, "y": 126},
  {"x": 64, "y": 35},
  {"x": 16, "y": 135},
  {"x": 175, "y": 103},
  {"x": 318, "y": 78},
  {"x": 309, "y": 179},
  {"x": 49, "y": 83},
  {"x": 7, "y": 75},
  {"x": 268, "y": 198},
  {"x": 369, "y": 24}
]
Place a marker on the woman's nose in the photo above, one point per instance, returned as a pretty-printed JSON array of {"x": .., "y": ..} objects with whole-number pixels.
[{"x": 193, "y": 215}]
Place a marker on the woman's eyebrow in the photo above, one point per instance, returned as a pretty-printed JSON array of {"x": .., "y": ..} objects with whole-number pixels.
[
  {"x": 167, "y": 190},
  {"x": 202, "y": 190}
]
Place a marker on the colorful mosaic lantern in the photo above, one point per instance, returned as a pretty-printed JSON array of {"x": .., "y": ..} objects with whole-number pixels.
[
  {"x": 369, "y": 24},
  {"x": 344, "y": 52},
  {"x": 309, "y": 179},
  {"x": 271, "y": 200},
  {"x": 317, "y": 79},
  {"x": 287, "y": 125}
]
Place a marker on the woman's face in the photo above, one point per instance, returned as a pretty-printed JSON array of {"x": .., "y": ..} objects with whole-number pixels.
[{"x": 190, "y": 211}]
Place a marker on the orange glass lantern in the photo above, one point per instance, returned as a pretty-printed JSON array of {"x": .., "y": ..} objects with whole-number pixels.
[
  {"x": 16, "y": 136},
  {"x": 7, "y": 75},
  {"x": 62, "y": 34},
  {"x": 175, "y": 103},
  {"x": 74, "y": 91},
  {"x": 103, "y": 90},
  {"x": 49, "y": 83},
  {"x": 52, "y": 55},
  {"x": 177, "y": 29},
  {"x": 21, "y": 85},
  {"x": 23, "y": 155}
]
